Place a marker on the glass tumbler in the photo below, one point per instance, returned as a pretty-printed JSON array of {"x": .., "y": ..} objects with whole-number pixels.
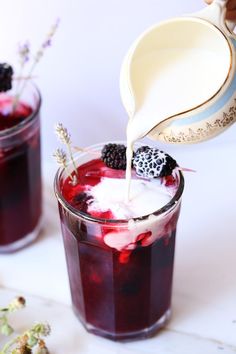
[
  {"x": 20, "y": 172},
  {"x": 120, "y": 294}
]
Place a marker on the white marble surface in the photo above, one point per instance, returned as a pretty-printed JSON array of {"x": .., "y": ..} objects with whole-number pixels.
[
  {"x": 204, "y": 293},
  {"x": 68, "y": 335}
]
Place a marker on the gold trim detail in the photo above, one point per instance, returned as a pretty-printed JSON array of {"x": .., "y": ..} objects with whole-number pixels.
[{"x": 192, "y": 135}]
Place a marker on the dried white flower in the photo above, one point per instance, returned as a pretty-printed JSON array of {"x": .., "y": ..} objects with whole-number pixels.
[
  {"x": 42, "y": 329},
  {"x": 16, "y": 304},
  {"x": 65, "y": 137},
  {"x": 62, "y": 133},
  {"x": 42, "y": 350},
  {"x": 60, "y": 157}
]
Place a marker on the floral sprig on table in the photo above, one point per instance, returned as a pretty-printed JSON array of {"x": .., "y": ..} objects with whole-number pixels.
[
  {"x": 17, "y": 304},
  {"x": 30, "y": 341}
]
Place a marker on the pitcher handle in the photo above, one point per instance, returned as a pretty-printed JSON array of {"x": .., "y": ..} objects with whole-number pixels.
[{"x": 215, "y": 13}]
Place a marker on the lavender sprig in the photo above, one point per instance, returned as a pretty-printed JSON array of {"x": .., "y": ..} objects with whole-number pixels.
[
  {"x": 65, "y": 137},
  {"x": 46, "y": 43},
  {"x": 63, "y": 134},
  {"x": 61, "y": 158},
  {"x": 24, "y": 52}
]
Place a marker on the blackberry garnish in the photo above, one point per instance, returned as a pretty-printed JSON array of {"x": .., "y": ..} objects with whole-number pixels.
[
  {"x": 152, "y": 163},
  {"x": 114, "y": 156},
  {"x": 81, "y": 201},
  {"x": 6, "y": 73}
]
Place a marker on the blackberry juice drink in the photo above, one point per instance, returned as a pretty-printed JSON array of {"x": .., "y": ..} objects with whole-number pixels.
[
  {"x": 119, "y": 254},
  {"x": 20, "y": 169}
]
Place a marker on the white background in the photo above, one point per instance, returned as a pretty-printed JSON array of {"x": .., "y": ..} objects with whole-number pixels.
[{"x": 79, "y": 74}]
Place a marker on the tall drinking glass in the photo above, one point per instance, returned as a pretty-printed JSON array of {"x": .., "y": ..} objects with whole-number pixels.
[
  {"x": 120, "y": 271},
  {"x": 20, "y": 169}
]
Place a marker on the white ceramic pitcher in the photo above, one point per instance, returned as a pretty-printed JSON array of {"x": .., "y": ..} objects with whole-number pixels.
[{"x": 206, "y": 28}]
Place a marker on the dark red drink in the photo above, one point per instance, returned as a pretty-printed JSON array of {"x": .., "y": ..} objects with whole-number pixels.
[
  {"x": 117, "y": 292},
  {"x": 20, "y": 170}
]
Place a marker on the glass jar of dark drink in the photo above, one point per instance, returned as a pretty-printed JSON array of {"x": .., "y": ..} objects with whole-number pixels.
[
  {"x": 20, "y": 169},
  {"x": 118, "y": 292}
]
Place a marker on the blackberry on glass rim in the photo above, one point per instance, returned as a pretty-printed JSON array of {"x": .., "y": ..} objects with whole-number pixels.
[
  {"x": 6, "y": 73},
  {"x": 147, "y": 161}
]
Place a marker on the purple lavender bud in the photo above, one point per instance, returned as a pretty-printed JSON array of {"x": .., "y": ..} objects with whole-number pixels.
[
  {"x": 47, "y": 43},
  {"x": 24, "y": 51}
]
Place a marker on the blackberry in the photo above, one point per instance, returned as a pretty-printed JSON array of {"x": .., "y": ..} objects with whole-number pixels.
[
  {"x": 152, "y": 163},
  {"x": 81, "y": 201},
  {"x": 6, "y": 73},
  {"x": 114, "y": 156}
]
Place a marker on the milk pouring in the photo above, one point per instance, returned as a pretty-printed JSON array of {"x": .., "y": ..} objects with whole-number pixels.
[{"x": 187, "y": 76}]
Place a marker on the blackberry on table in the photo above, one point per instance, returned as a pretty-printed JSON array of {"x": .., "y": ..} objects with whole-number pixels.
[
  {"x": 114, "y": 156},
  {"x": 6, "y": 73},
  {"x": 152, "y": 162}
]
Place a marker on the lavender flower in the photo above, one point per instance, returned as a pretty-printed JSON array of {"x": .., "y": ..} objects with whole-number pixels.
[
  {"x": 42, "y": 329},
  {"x": 47, "y": 42},
  {"x": 24, "y": 53},
  {"x": 62, "y": 133},
  {"x": 65, "y": 137},
  {"x": 60, "y": 157}
]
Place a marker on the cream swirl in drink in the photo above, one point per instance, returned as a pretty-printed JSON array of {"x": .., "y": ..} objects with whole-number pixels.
[{"x": 100, "y": 192}]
